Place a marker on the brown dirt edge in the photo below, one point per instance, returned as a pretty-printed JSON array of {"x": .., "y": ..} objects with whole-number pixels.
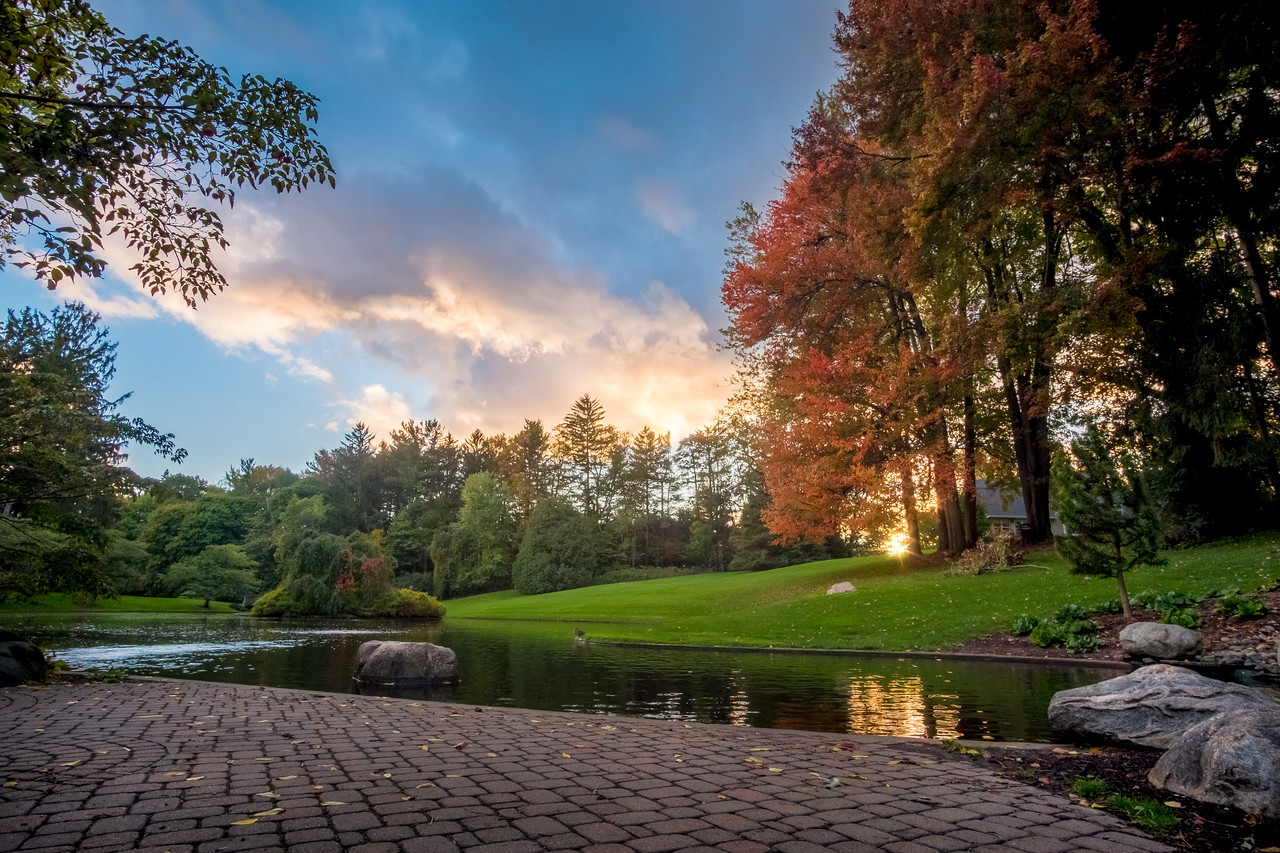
[{"x": 1075, "y": 660}]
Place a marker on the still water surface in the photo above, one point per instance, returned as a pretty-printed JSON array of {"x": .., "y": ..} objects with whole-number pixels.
[{"x": 539, "y": 666}]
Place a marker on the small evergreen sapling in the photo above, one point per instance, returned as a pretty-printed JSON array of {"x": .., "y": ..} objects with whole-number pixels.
[{"x": 1110, "y": 523}]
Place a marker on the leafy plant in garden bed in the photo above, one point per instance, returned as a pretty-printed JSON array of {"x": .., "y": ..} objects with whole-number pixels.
[
  {"x": 1170, "y": 600},
  {"x": 1024, "y": 625},
  {"x": 1243, "y": 606},
  {"x": 1182, "y": 616},
  {"x": 1070, "y": 627},
  {"x": 1175, "y": 607},
  {"x": 1150, "y": 814}
]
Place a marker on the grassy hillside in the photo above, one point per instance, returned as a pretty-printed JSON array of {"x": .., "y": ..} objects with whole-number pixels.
[{"x": 898, "y": 605}]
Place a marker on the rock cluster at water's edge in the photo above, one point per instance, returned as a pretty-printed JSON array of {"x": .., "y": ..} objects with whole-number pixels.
[{"x": 1222, "y": 740}]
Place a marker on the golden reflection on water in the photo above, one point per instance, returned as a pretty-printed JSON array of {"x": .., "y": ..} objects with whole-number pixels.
[
  {"x": 883, "y": 705},
  {"x": 739, "y": 704}
]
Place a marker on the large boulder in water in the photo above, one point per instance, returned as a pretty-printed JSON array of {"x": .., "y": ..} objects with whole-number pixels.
[
  {"x": 1152, "y": 706},
  {"x": 396, "y": 663},
  {"x": 20, "y": 660},
  {"x": 1160, "y": 641},
  {"x": 1232, "y": 759}
]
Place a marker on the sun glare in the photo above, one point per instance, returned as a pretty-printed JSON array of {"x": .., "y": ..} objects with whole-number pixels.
[{"x": 897, "y": 544}]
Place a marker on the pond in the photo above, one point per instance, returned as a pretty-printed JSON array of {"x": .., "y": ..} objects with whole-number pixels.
[{"x": 539, "y": 666}]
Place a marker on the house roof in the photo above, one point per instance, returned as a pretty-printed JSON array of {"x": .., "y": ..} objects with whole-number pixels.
[{"x": 997, "y": 505}]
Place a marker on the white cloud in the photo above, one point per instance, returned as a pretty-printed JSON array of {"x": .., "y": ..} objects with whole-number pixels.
[
  {"x": 116, "y": 305},
  {"x": 377, "y": 408}
]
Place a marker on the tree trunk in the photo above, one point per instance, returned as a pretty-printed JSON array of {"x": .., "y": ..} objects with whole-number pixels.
[
  {"x": 970, "y": 476},
  {"x": 1264, "y": 432},
  {"x": 1238, "y": 215},
  {"x": 951, "y": 539},
  {"x": 909, "y": 511},
  {"x": 1121, "y": 588},
  {"x": 1026, "y": 397},
  {"x": 1029, "y": 424}
]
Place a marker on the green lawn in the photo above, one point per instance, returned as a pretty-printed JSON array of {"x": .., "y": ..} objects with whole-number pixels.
[
  {"x": 59, "y": 603},
  {"x": 897, "y": 605}
]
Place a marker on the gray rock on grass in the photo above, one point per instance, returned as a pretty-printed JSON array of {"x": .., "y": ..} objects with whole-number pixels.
[
  {"x": 843, "y": 586},
  {"x": 1160, "y": 641},
  {"x": 1232, "y": 759},
  {"x": 1152, "y": 706},
  {"x": 397, "y": 663}
]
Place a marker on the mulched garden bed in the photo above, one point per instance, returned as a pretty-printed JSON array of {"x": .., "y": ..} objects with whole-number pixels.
[{"x": 1202, "y": 827}]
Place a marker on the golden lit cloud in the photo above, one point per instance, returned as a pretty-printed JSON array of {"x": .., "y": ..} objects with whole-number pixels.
[{"x": 465, "y": 314}]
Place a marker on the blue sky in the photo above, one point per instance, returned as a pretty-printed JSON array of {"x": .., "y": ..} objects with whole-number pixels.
[{"x": 530, "y": 206}]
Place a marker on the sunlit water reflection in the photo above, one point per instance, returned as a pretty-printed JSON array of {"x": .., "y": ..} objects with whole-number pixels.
[{"x": 539, "y": 666}]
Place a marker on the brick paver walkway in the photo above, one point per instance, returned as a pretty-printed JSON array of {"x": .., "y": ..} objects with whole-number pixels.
[{"x": 193, "y": 766}]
